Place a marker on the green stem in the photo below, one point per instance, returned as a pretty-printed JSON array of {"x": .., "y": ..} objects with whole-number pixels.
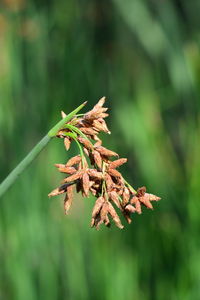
[
  {"x": 10, "y": 179},
  {"x": 81, "y": 152},
  {"x": 130, "y": 187}
]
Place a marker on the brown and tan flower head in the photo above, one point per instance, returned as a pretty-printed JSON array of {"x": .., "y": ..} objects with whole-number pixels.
[{"x": 94, "y": 171}]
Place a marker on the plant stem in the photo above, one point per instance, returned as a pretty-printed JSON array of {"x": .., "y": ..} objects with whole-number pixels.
[
  {"x": 130, "y": 187},
  {"x": 10, "y": 179}
]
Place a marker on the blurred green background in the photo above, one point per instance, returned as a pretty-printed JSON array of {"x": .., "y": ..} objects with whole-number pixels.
[{"x": 144, "y": 56}]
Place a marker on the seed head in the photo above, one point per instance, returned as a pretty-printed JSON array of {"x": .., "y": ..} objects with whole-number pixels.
[{"x": 94, "y": 172}]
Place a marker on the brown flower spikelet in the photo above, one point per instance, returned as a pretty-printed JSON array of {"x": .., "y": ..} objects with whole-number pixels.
[
  {"x": 73, "y": 161},
  {"x": 67, "y": 143},
  {"x": 100, "y": 177},
  {"x": 68, "y": 199}
]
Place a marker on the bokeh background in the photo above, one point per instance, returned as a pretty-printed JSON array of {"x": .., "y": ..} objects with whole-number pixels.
[{"x": 144, "y": 56}]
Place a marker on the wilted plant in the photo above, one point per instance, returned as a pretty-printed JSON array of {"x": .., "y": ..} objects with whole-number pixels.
[{"x": 93, "y": 171}]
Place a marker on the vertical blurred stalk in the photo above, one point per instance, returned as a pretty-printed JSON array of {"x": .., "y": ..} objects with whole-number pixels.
[{"x": 10, "y": 179}]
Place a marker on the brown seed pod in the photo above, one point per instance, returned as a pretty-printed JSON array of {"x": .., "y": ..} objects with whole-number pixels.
[
  {"x": 97, "y": 207},
  {"x": 135, "y": 201},
  {"x": 94, "y": 173},
  {"x": 145, "y": 201},
  {"x": 96, "y": 111},
  {"x": 114, "y": 173},
  {"x": 109, "y": 183},
  {"x": 125, "y": 196},
  {"x": 141, "y": 191},
  {"x": 138, "y": 207},
  {"x": 60, "y": 190},
  {"x": 87, "y": 144},
  {"x": 100, "y": 126},
  {"x": 98, "y": 143},
  {"x": 97, "y": 158},
  {"x": 86, "y": 183},
  {"x": 67, "y": 143},
  {"x": 59, "y": 165},
  {"x": 103, "y": 123},
  {"x": 105, "y": 152},
  {"x": 104, "y": 210},
  {"x": 68, "y": 199},
  {"x": 103, "y": 115},
  {"x": 114, "y": 216},
  {"x": 73, "y": 161},
  {"x": 67, "y": 170},
  {"x": 88, "y": 131},
  {"x": 75, "y": 176},
  {"x": 116, "y": 163},
  {"x": 130, "y": 208},
  {"x": 115, "y": 198},
  {"x": 152, "y": 197}
]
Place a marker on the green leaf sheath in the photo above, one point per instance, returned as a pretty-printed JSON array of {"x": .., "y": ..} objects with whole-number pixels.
[{"x": 62, "y": 122}]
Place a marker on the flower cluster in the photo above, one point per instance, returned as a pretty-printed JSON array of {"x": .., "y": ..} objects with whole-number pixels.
[{"x": 94, "y": 171}]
